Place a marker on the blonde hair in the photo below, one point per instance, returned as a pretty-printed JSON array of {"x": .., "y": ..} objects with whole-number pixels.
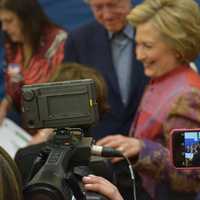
[
  {"x": 10, "y": 180},
  {"x": 178, "y": 22}
]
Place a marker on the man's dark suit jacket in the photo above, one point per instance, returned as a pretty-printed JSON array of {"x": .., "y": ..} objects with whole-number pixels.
[{"x": 90, "y": 45}]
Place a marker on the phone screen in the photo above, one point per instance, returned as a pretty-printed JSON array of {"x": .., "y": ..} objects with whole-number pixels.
[{"x": 186, "y": 148}]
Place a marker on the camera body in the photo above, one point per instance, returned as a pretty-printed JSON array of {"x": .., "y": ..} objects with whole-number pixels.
[
  {"x": 185, "y": 148},
  {"x": 60, "y": 104},
  {"x": 58, "y": 170}
]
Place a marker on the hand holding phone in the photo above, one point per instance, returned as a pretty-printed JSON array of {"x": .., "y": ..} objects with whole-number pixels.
[{"x": 185, "y": 148}]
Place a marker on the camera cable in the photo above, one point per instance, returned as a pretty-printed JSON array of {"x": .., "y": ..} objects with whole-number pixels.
[
  {"x": 132, "y": 176},
  {"x": 110, "y": 152}
]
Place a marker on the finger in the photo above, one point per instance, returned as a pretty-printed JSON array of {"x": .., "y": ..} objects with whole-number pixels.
[
  {"x": 115, "y": 160},
  {"x": 130, "y": 151},
  {"x": 114, "y": 141},
  {"x": 121, "y": 149},
  {"x": 110, "y": 138},
  {"x": 105, "y": 140}
]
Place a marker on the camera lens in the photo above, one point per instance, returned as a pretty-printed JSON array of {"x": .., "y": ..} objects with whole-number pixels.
[
  {"x": 39, "y": 197},
  {"x": 42, "y": 193}
]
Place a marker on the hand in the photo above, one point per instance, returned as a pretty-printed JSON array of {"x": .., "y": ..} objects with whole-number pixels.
[
  {"x": 41, "y": 136},
  {"x": 129, "y": 146},
  {"x": 102, "y": 186}
]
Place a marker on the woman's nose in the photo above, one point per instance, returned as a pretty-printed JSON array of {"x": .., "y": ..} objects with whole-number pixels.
[
  {"x": 140, "y": 54},
  {"x": 3, "y": 26}
]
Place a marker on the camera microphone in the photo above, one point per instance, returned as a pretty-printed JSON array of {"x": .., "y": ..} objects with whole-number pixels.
[{"x": 105, "y": 151}]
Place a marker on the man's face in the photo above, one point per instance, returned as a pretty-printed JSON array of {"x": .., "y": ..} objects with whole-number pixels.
[{"x": 111, "y": 13}]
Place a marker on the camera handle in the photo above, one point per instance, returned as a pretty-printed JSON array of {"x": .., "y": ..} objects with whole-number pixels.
[{"x": 39, "y": 162}]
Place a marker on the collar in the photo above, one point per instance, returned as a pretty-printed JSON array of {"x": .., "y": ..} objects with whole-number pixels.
[
  {"x": 174, "y": 72},
  {"x": 128, "y": 31}
]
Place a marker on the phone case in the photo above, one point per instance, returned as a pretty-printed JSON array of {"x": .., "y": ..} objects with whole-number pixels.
[{"x": 171, "y": 148}]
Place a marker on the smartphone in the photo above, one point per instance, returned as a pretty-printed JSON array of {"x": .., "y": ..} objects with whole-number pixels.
[{"x": 185, "y": 148}]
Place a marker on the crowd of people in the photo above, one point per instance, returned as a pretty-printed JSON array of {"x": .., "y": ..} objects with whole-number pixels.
[
  {"x": 139, "y": 58},
  {"x": 34, "y": 48}
]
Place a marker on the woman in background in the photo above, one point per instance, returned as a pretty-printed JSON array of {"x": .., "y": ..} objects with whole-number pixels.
[{"x": 33, "y": 48}]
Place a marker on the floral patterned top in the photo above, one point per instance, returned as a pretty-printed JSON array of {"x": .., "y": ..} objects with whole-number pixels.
[
  {"x": 169, "y": 102},
  {"x": 41, "y": 66}
]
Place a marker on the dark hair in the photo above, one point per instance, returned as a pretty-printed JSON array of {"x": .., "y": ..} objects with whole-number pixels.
[
  {"x": 32, "y": 17},
  {"x": 75, "y": 71}
]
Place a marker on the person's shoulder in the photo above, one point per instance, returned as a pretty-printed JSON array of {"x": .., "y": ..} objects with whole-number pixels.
[
  {"x": 187, "y": 104},
  {"x": 193, "y": 78},
  {"x": 185, "y": 78},
  {"x": 53, "y": 30},
  {"x": 87, "y": 29}
]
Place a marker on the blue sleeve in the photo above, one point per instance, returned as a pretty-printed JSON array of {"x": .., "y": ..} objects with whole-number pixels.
[
  {"x": 197, "y": 62},
  {"x": 70, "y": 53}
]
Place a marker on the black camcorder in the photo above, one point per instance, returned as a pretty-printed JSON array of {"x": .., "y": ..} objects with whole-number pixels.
[
  {"x": 60, "y": 104},
  {"x": 71, "y": 108}
]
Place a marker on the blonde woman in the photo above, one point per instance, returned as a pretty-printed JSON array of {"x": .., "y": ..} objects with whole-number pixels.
[{"x": 168, "y": 39}]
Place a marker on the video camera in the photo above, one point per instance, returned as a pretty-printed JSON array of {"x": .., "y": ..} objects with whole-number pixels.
[
  {"x": 60, "y": 104},
  {"x": 71, "y": 108}
]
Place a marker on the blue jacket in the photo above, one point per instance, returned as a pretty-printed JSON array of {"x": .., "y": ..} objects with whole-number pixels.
[{"x": 90, "y": 45}]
